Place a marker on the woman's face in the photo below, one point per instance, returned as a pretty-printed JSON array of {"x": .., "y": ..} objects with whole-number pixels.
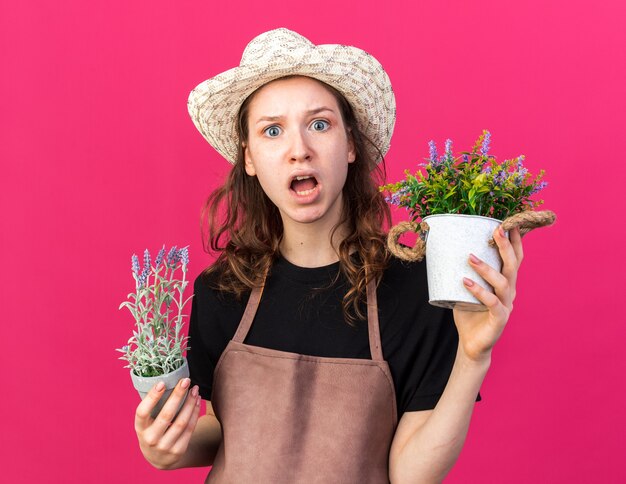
[{"x": 299, "y": 150}]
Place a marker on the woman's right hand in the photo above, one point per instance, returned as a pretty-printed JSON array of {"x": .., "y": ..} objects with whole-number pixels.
[{"x": 162, "y": 441}]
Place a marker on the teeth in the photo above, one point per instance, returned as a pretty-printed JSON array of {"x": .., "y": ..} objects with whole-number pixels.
[
  {"x": 303, "y": 177},
  {"x": 306, "y": 192}
]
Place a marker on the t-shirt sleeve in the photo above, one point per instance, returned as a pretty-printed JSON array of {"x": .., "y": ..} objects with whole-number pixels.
[
  {"x": 436, "y": 357},
  {"x": 201, "y": 363},
  {"x": 212, "y": 323},
  {"x": 420, "y": 339}
]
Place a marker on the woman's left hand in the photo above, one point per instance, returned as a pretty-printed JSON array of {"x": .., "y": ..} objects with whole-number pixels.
[{"x": 479, "y": 331}]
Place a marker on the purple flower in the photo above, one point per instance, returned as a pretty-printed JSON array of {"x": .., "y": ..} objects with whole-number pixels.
[
  {"x": 500, "y": 177},
  {"x": 486, "y": 169},
  {"x": 541, "y": 186},
  {"x": 521, "y": 174},
  {"x": 135, "y": 264},
  {"x": 391, "y": 199},
  {"x": 143, "y": 277},
  {"x": 395, "y": 198},
  {"x": 184, "y": 255},
  {"x": 449, "y": 150},
  {"x": 159, "y": 257},
  {"x": 465, "y": 158},
  {"x": 437, "y": 164},
  {"x": 146, "y": 260},
  {"x": 448, "y": 157},
  {"x": 485, "y": 147},
  {"x": 173, "y": 257},
  {"x": 433, "y": 151}
]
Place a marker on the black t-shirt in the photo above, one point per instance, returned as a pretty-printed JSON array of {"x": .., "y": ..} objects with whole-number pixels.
[{"x": 419, "y": 341}]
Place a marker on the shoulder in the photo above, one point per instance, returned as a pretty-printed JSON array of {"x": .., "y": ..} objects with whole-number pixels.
[
  {"x": 216, "y": 313},
  {"x": 206, "y": 288},
  {"x": 206, "y": 281},
  {"x": 399, "y": 271},
  {"x": 403, "y": 289}
]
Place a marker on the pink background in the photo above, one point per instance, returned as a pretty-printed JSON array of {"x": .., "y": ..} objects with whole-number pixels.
[{"x": 100, "y": 160}]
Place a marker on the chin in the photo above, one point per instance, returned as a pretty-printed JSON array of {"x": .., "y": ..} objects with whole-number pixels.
[
  {"x": 308, "y": 219},
  {"x": 306, "y": 216}
]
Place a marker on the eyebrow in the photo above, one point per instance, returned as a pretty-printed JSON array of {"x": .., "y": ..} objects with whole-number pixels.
[{"x": 308, "y": 113}]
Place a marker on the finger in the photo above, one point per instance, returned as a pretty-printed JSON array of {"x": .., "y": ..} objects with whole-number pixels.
[
  {"x": 183, "y": 419},
  {"x": 143, "y": 419},
  {"x": 510, "y": 262},
  {"x": 168, "y": 412},
  {"x": 516, "y": 242},
  {"x": 183, "y": 441},
  {"x": 500, "y": 283},
  {"x": 489, "y": 299}
]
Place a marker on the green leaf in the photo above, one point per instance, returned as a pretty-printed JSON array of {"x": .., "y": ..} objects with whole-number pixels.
[{"x": 450, "y": 193}]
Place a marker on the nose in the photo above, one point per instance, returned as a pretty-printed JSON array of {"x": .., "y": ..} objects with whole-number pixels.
[{"x": 300, "y": 149}]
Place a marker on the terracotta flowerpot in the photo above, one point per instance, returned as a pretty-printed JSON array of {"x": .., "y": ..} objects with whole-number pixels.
[
  {"x": 449, "y": 241},
  {"x": 143, "y": 385}
]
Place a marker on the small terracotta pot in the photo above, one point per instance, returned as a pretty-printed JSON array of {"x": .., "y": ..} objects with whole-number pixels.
[{"x": 143, "y": 384}]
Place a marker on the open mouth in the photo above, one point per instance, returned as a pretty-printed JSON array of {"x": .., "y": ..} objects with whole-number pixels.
[{"x": 304, "y": 185}]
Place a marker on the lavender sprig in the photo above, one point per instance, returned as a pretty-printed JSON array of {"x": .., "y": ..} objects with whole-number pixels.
[
  {"x": 485, "y": 147},
  {"x": 539, "y": 187},
  {"x": 448, "y": 152},
  {"x": 159, "y": 257},
  {"x": 173, "y": 257},
  {"x": 433, "y": 151},
  {"x": 135, "y": 265},
  {"x": 157, "y": 344},
  {"x": 143, "y": 277},
  {"x": 184, "y": 257}
]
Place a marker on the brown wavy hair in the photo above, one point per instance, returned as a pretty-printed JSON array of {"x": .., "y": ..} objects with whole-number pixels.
[{"x": 241, "y": 224}]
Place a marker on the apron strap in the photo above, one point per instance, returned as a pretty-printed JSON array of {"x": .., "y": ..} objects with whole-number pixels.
[
  {"x": 248, "y": 315},
  {"x": 373, "y": 327}
]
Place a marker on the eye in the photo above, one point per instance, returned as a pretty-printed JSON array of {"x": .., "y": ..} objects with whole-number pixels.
[
  {"x": 318, "y": 123},
  {"x": 272, "y": 131}
]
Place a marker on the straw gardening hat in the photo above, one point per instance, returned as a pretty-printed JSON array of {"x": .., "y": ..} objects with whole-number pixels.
[{"x": 214, "y": 104}]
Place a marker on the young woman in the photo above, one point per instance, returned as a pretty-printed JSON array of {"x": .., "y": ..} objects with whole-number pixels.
[{"x": 316, "y": 351}]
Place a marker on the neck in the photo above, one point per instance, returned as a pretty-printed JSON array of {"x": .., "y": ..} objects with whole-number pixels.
[{"x": 309, "y": 245}]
